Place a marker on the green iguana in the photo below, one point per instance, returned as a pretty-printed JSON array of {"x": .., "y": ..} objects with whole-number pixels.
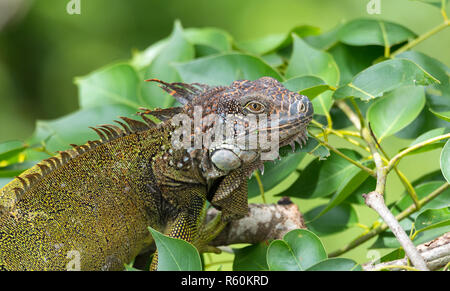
[{"x": 95, "y": 201}]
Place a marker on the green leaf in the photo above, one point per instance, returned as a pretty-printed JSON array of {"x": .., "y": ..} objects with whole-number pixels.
[
  {"x": 395, "y": 110},
  {"x": 442, "y": 115},
  {"x": 178, "y": 49},
  {"x": 74, "y": 128},
  {"x": 383, "y": 77},
  {"x": 432, "y": 218},
  {"x": 348, "y": 186},
  {"x": 360, "y": 32},
  {"x": 274, "y": 42},
  {"x": 353, "y": 59},
  {"x": 320, "y": 179},
  {"x": 325, "y": 40},
  {"x": 394, "y": 255},
  {"x": 426, "y": 121},
  {"x": 11, "y": 149},
  {"x": 356, "y": 196},
  {"x": 274, "y": 173},
  {"x": 175, "y": 254},
  {"x": 422, "y": 191},
  {"x": 336, "y": 264},
  {"x": 337, "y": 219},
  {"x": 310, "y": 86},
  {"x": 429, "y": 177},
  {"x": 251, "y": 258},
  {"x": 388, "y": 240},
  {"x": 429, "y": 64},
  {"x": 143, "y": 59},
  {"x": 306, "y": 60},
  {"x": 225, "y": 68},
  {"x": 426, "y": 136},
  {"x": 299, "y": 250},
  {"x": 14, "y": 170},
  {"x": 445, "y": 161},
  {"x": 116, "y": 84},
  {"x": 208, "y": 40}
]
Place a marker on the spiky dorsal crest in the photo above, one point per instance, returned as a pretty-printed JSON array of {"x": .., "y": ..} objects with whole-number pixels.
[
  {"x": 183, "y": 92},
  {"x": 106, "y": 133}
]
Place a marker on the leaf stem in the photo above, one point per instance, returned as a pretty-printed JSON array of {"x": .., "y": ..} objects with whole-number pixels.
[
  {"x": 260, "y": 186},
  {"x": 422, "y": 37},
  {"x": 338, "y": 152},
  {"x": 382, "y": 227},
  {"x": 403, "y": 153}
]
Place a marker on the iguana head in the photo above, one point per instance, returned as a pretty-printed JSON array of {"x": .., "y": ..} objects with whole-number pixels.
[{"x": 245, "y": 122}]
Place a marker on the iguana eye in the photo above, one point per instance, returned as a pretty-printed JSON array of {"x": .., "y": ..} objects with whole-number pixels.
[{"x": 255, "y": 107}]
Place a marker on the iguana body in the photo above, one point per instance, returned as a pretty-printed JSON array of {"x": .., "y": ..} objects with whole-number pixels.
[{"x": 93, "y": 203}]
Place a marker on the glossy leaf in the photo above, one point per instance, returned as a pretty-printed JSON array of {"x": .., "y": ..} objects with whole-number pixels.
[
  {"x": 274, "y": 42},
  {"x": 432, "y": 218},
  {"x": 178, "y": 49},
  {"x": 374, "y": 81},
  {"x": 10, "y": 149},
  {"x": 275, "y": 172},
  {"x": 14, "y": 170},
  {"x": 388, "y": 240},
  {"x": 395, "y": 110},
  {"x": 349, "y": 185},
  {"x": 336, "y": 264},
  {"x": 306, "y": 60},
  {"x": 143, "y": 59},
  {"x": 225, "y": 68},
  {"x": 424, "y": 122},
  {"x": 251, "y": 258},
  {"x": 353, "y": 59},
  {"x": 361, "y": 32},
  {"x": 322, "y": 178},
  {"x": 310, "y": 86},
  {"x": 116, "y": 84},
  {"x": 445, "y": 161},
  {"x": 299, "y": 250},
  {"x": 429, "y": 135},
  {"x": 337, "y": 219},
  {"x": 74, "y": 128},
  {"x": 208, "y": 39},
  {"x": 175, "y": 254}
]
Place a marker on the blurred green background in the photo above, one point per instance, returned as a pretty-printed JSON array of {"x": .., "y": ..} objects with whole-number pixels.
[{"x": 43, "y": 48}]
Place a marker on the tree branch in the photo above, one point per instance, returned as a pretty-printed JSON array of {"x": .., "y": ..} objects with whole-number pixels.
[
  {"x": 264, "y": 222},
  {"x": 435, "y": 253},
  {"x": 375, "y": 201}
]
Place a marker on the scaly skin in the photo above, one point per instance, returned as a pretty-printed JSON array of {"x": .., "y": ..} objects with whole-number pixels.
[{"x": 90, "y": 206}]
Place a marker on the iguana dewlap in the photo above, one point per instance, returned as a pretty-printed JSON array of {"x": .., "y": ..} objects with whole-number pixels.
[{"x": 89, "y": 207}]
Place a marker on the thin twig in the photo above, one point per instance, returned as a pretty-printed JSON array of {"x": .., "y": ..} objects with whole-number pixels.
[
  {"x": 421, "y": 38},
  {"x": 382, "y": 227},
  {"x": 338, "y": 152},
  {"x": 403, "y": 153}
]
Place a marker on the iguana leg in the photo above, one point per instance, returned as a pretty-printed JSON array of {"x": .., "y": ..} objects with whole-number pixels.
[
  {"x": 182, "y": 228},
  {"x": 185, "y": 226}
]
